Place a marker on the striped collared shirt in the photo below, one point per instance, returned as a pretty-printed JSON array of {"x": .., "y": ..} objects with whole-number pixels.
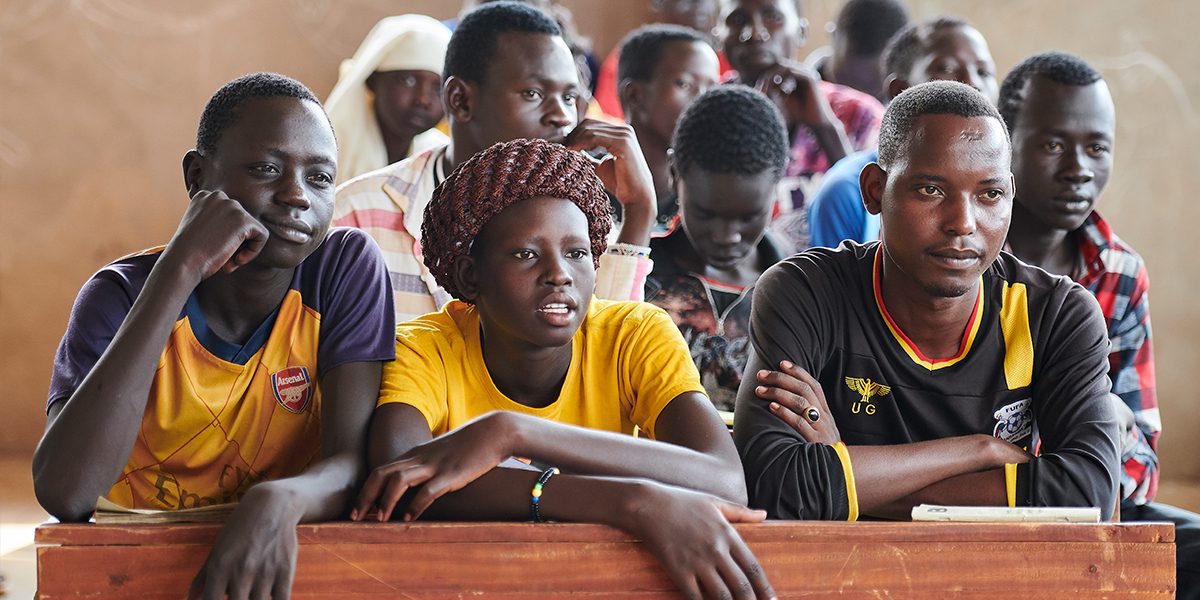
[{"x": 389, "y": 204}]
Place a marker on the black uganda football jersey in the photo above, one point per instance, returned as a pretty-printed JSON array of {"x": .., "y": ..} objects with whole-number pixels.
[{"x": 1031, "y": 369}]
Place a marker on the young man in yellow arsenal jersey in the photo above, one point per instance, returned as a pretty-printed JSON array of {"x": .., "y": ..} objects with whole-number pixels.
[
  {"x": 928, "y": 367},
  {"x": 239, "y": 363}
]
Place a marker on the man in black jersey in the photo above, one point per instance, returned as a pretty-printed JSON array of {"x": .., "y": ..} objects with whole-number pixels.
[{"x": 927, "y": 367}]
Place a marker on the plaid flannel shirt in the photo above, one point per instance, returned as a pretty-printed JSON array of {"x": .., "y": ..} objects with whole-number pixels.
[
  {"x": 1117, "y": 277},
  {"x": 389, "y": 204}
]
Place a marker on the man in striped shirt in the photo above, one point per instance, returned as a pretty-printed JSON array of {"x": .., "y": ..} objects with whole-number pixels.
[{"x": 508, "y": 75}]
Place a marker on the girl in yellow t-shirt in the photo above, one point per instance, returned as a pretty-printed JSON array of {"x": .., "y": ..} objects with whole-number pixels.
[{"x": 526, "y": 363}]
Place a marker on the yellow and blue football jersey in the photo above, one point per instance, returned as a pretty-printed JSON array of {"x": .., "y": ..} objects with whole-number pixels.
[{"x": 222, "y": 416}]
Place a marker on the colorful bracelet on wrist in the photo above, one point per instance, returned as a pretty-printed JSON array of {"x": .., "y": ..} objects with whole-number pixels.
[{"x": 535, "y": 513}]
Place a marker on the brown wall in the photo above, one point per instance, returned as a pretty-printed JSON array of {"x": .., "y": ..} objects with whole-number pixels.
[{"x": 99, "y": 100}]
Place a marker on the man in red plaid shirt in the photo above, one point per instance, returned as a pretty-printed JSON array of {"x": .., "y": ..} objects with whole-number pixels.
[{"x": 1062, "y": 122}]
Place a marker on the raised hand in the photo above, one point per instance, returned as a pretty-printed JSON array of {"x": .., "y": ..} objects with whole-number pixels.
[
  {"x": 625, "y": 175},
  {"x": 215, "y": 235},
  {"x": 797, "y": 398},
  {"x": 439, "y": 466},
  {"x": 691, "y": 535},
  {"x": 796, "y": 90}
]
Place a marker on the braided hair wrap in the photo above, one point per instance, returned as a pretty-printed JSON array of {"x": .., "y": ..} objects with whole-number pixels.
[{"x": 496, "y": 178}]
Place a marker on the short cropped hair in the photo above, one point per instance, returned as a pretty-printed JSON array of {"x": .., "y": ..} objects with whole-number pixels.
[
  {"x": 910, "y": 43},
  {"x": 731, "y": 129},
  {"x": 1060, "y": 67},
  {"x": 221, "y": 110},
  {"x": 642, "y": 49},
  {"x": 496, "y": 178},
  {"x": 867, "y": 25},
  {"x": 473, "y": 42},
  {"x": 931, "y": 98}
]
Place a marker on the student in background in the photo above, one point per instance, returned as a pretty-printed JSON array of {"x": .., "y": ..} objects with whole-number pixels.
[
  {"x": 940, "y": 48},
  {"x": 665, "y": 69},
  {"x": 928, "y": 367},
  {"x": 825, "y": 121},
  {"x": 1063, "y": 125},
  {"x": 581, "y": 46},
  {"x": 860, "y": 33},
  {"x": 525, "y": 362},
  {"x": 698, "y": 15},
  {"x": 509, "y": 75},
  {"x": 388, "y": 100},
  {"x": 241, "y": 362},
  {"x": 729, "y": 152}
]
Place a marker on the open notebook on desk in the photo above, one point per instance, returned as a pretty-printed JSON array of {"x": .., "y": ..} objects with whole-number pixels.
[
  {"x": 1004, "y": 514},
  {"x": 113, "y": 514}
]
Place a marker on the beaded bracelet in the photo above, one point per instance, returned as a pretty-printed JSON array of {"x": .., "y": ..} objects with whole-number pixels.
[{"x": 535, "y": 513}]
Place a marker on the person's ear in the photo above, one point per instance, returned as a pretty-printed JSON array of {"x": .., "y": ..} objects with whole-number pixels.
[
  {"x": 630, "y": 93},
  {"x": 872, "y": 181},
  {"x": 458, "y": 99},
  {"x": 466, "y": 278},
  {"x": 193, "y": 171},
  {"x": 894, "y": 85}
]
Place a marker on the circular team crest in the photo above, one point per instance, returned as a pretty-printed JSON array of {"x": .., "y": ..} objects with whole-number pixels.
[{"x": 293, "y": 388}]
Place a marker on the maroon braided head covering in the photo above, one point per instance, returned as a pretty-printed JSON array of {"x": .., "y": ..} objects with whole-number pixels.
[{"x": 497, "y": 178}]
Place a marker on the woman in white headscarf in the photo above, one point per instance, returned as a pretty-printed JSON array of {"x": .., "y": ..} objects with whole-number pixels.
[{"x": 388, "y": 97}]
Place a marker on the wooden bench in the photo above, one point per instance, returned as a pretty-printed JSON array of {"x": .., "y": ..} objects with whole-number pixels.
[{"x": 521, "y": 560}]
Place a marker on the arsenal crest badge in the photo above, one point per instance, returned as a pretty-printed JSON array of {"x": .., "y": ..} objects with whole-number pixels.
[{"x": 293, "y": 388}]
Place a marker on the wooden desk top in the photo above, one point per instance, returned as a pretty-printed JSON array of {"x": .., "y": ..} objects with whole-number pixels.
[{"x": 519, "y": 560}]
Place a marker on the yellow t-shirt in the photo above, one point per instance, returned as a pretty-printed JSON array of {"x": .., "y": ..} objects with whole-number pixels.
[{"x": 628, "y": 361}]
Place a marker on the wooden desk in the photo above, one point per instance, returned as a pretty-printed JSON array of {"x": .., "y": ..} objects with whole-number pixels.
[{"x": 518, "y": 560}]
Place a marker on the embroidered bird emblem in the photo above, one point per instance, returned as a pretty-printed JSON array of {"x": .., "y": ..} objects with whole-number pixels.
[{"x": 867, "y": 388}]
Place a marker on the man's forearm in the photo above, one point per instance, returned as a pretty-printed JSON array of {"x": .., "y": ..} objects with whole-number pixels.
[
  {"x": 637, "y": 221},
  {"x": 504, "y": 494},
  {"x": 91, "y": 434},
  {"x": 983, "y": 488},
  {"x": 322, "y": 492},
  {"x": 886, "y": 474},
  {"x": 592, "y": 452},
  {"x": 831, "y": 136}
]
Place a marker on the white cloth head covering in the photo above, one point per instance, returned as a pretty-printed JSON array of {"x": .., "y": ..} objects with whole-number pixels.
[{"x": 402, "y": 43}]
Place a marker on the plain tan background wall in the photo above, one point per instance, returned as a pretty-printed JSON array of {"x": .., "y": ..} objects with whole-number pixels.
[{"x": 99, "y": 99}]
